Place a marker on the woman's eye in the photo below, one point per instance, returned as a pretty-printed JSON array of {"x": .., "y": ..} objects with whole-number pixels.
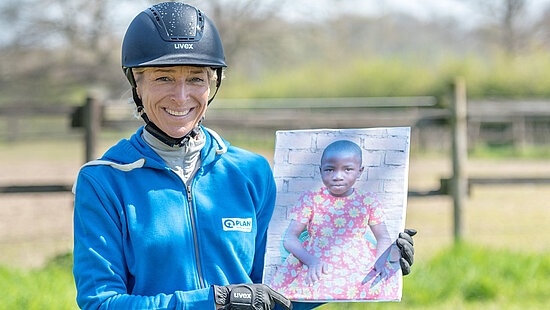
[{"x": 197, "y": 80}]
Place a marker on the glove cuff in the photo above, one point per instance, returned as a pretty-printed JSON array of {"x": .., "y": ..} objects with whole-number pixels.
[{"x": 221, "y": 294}]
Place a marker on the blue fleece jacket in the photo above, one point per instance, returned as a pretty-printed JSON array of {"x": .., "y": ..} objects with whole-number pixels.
[{"x": 143, "y": 240}]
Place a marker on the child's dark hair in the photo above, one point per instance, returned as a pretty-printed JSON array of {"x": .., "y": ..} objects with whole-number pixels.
[{"x": 342, "y": 146}]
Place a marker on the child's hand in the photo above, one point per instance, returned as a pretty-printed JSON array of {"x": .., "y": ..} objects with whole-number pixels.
[
  {"x": 315, "y": 270},
  {"x": 378, "y": 270}
]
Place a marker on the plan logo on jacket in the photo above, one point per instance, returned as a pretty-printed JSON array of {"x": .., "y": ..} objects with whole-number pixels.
[{"x": 237, "y": 224}]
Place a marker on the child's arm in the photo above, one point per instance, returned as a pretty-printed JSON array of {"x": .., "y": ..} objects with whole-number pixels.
[
  {"x": 383, "y": 242},
  {"x": 292, "y": 244}
]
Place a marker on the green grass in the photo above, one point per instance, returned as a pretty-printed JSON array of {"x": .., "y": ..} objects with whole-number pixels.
[
  {"x": 470, "y": 277},
  {"x": 51, "y": 287},
  {"x": 485, "y": 151},
  {"x": 460, "y": 277}
]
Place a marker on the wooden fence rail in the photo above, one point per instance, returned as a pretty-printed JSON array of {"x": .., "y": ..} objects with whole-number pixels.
[
  {"x": 26, "y": 189},
  {"x": 300, "y": 113}
]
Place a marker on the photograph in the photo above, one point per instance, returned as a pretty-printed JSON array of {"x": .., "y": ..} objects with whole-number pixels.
[{"x": 341, "y": 203}]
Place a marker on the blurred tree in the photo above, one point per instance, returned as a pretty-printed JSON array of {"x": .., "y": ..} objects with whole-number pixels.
[
  {"x": 56, "y": 47},
  {"x": 506, "y": 23},
  {"x": 251, "y": 30},
  {"x": 543, "y": 28}
]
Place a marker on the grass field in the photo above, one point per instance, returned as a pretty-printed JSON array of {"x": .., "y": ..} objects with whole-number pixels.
[
  {"x": 458, "y": 277},
  {"x": 504, "y": 264}
]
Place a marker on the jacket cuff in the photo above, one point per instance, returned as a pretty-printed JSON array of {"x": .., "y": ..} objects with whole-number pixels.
[{"x": 198, "y": 299}]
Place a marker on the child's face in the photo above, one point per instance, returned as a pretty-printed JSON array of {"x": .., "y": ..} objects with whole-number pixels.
[{"x": 339, "y": 171}]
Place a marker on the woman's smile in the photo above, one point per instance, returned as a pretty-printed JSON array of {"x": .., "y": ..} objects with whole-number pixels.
[{"x": 178, "y": 113}]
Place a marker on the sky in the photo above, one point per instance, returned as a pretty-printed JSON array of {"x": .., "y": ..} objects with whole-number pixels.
[
  {"x": 462, "y": 10},
  {"x": 323, "y": 8},
  {"x": 419, "y": 8}
]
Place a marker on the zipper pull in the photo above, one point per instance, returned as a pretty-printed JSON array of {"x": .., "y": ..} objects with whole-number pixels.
[{"x": 189, "y": 198}]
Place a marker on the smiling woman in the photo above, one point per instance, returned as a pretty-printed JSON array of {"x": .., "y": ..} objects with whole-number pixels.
[
  {"x": 174, "y": 217},
  {"x": 174, "y": 98},
  {"x": 151, "y": 216}
]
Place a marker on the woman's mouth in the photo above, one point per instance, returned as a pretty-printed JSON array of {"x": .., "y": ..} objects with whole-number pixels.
[{"x": 178, "y": 113}]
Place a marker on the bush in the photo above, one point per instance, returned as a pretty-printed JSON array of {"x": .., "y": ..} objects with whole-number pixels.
[{"x": 413, "y": 75}]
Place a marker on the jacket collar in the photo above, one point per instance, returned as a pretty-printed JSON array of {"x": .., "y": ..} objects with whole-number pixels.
[{"x": 129, "y": 151}]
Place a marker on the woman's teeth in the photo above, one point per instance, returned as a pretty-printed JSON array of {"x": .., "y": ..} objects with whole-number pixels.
[{"x": 177, "y": 113}]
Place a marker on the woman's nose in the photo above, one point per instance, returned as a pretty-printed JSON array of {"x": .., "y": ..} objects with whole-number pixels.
[{"x": 181, "y": 93}]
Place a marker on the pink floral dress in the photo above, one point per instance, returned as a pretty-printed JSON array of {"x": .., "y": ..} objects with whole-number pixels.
[{"x": 337, "y": 228}]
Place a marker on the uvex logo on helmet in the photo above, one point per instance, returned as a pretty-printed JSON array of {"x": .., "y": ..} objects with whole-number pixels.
[{"x": 187, "y": 46}]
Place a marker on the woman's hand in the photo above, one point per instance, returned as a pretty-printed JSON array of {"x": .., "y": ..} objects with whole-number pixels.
[
  {"x": 315, "y": 270},
  {"x": 406, "y": 247}
]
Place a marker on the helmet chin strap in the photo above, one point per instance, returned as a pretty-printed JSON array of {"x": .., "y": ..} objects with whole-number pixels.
[
  {"x": 159, "y": 133},
  {"x": 154, "y": 129},
  {"x": 170, "y": 141}
]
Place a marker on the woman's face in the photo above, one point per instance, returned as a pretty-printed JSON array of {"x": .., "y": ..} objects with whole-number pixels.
[
  {"x": 339, "y": 171},
  {"x": 174, "y": 98}
]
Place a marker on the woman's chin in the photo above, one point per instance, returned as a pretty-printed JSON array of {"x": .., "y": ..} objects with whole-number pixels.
[{"x": 176, "y": 134}]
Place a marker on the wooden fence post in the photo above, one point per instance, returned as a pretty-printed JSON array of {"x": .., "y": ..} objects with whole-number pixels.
[
  {"x": 460, "y": 153},
  {"x": 519, "y": 135},
  {"x": 92, "y": 126}
]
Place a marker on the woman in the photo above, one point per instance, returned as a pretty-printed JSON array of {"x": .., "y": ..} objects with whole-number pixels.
[{"x": 174, "y": 217}]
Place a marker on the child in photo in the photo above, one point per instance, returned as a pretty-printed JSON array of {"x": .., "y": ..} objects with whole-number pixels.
[{"x": 337, "y": 261}]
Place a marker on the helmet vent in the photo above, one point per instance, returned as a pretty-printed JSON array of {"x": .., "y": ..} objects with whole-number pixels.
[{"x": 178, "y": 21}]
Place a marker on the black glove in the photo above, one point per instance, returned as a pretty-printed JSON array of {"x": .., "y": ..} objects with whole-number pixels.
[
  {"x": 249, "y": 297},
  {"x": 405, "y": 244}
]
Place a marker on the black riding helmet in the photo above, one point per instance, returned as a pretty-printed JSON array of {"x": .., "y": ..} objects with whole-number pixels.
[{"x": 171, "y": 34}]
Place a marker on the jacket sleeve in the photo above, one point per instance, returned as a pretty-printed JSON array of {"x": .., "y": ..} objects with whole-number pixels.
[
  {"x": 264, "y": 212},
  {"x": 100, "y": 271}
]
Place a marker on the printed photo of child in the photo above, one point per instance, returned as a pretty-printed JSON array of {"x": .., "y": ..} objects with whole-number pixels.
[{"x": 338, "y": 244}]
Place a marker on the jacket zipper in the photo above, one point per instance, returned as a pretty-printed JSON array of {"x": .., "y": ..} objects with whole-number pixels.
[{"x": 195, "y": 239}]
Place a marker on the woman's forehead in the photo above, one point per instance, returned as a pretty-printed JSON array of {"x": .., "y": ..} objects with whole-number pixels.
[{"x": 176, "y": 69}]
